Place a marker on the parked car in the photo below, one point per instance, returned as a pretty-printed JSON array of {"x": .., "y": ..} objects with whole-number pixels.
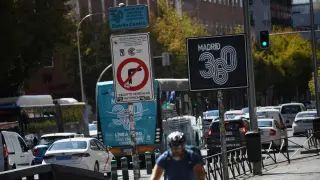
[
  {"x": 15, "y": 152},
  {"x": 86, "y": 153},
  {"x": 289, "y": 112},
  {"x": 45, "y": 141},
  {"x": 235, "y": 135},
  {"x": 303, "y": 121},
  {"x": 271, "y": 132}
]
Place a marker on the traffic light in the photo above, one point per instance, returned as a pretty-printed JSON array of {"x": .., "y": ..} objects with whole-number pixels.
[{"x": 264, "y": 39}]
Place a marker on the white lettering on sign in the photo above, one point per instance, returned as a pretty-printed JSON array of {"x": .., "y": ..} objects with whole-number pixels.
[
  {"x": 209, "y": 47},
  {"x": 122, "y": 117},
  {"x": 218, "y": 69}
]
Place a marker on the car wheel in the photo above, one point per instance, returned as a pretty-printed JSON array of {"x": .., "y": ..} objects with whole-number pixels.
[{"x": 96, "y": 167}]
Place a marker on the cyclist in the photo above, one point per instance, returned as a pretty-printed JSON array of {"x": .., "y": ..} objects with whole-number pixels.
[{"x": 178, "y": 162}]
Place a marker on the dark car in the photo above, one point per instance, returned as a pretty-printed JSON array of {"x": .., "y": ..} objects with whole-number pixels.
[{"x": 235, "y": 135}]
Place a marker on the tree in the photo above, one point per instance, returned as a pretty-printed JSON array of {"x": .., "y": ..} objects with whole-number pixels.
[
  {"x": 31, "y": 31},
  {"x": 286, "y": 65},
  {"x": 171, "y": 31}
]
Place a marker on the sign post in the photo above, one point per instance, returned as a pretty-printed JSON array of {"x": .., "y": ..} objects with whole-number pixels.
[
  {"x": 133, "y": 134},
  {"x": 133, "y": 81},
  {"x": 217, "y": 63},
  {"x": 223, "y": 136}
]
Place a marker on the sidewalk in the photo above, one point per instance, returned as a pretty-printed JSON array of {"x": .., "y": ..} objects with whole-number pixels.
[{"x": 302, "y": 169}]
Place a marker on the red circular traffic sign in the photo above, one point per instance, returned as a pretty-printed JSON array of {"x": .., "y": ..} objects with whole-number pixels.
[{"x": 124, "y": 83}]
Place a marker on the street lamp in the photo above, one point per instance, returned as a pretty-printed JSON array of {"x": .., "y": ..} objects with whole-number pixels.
[{"x": 83, "y": 96}]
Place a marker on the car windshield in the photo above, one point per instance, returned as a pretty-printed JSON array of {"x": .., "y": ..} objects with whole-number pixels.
[
  {"x": 304, "y": 115},
  {"x": 292, "y": 109},
  {"x": 245, "y": 110},
  {"x": 51, "y": 139},
  {"x": 264, "y": 123},
  {"x": 68, "y": 145},
  {"x": 262, "y": 114},
  {"x": 211, "y": 113},
  {"x": 231, "y": 116},
  {"x": 92, "y": 127}
]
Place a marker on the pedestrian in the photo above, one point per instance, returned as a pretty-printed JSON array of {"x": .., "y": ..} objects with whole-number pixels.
[{"x": 178, "y": 163}]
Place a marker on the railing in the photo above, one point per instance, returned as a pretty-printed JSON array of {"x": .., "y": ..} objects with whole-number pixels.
[
  {"x": 51, "y": 172},
  {"x": 238, "y": 163}
]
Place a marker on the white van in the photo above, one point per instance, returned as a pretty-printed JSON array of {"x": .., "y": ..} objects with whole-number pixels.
[
  {"x": 14, "y": 151},
  {"x": 186, "y": 124},
  {"x": 289, "y": 112},
  {"x": 266, "y": 113}
]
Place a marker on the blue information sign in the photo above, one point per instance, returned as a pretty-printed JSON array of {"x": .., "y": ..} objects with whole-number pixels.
[{"x": 128, "y": 17}]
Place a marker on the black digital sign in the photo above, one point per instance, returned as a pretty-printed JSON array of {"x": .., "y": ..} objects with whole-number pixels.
[{"x": 217, "y": 62}]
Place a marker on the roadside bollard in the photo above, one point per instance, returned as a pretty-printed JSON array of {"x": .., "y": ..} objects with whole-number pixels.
[
  {"x": 114, "y": 174},
  {"x": 156, "y": 154},
  {"x": 148, "y": 160},
  {"x": 124, "y": 167}
]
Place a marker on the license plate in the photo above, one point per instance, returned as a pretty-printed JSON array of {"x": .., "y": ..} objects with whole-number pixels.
[
  {"x": 228, "y": 133},
  {"x": 230, "y": 138},
  {"x": 63, "y": 157}
]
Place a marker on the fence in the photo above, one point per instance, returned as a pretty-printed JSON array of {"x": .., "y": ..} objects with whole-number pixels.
[
  {"x": 51, "y": 172},
  {"x": 238, "y": 163}
]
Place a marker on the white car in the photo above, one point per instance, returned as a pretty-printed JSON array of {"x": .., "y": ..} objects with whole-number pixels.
[
  {"x": 303, "y": 121},
  {"x": 271, "y": 131},
  {"x": 93, "y": 130},
  {"x": 86, "y": 153},
  {"x": 14, "y": 153},
  {"x": 233, "y": 114},
  {"x": 263, "y": 113},
  {"x": 289, "y": 112}
]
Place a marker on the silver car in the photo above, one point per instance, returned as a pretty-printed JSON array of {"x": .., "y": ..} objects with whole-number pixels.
[{"x": 303, "y": 121}]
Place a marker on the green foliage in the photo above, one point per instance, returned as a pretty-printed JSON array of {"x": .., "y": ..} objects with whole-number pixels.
[
  {"x": 170, "y": 31},
  {"x": 30, "y": 32},
  {"x": 311, "y": 84},
  {"x": 286, "y": 65}
]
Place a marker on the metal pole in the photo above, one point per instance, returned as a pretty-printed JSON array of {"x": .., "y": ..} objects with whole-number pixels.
[
  {"x": 257, "y": 166},
  {"x": 83, "y": 96},
  {"x": 314, "y": 57},
  {"x": 135, "y": 155},
  {"x": 223, "y": 137}
]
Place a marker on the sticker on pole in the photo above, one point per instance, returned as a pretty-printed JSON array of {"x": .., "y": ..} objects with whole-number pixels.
[{"x": 132, "y": 68}]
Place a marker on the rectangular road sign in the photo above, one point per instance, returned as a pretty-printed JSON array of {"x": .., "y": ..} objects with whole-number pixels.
[
  {"x": 128, "y": 17},
  {"x": 132, "y": 72},
  {"x": 217, "y": 62}
]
